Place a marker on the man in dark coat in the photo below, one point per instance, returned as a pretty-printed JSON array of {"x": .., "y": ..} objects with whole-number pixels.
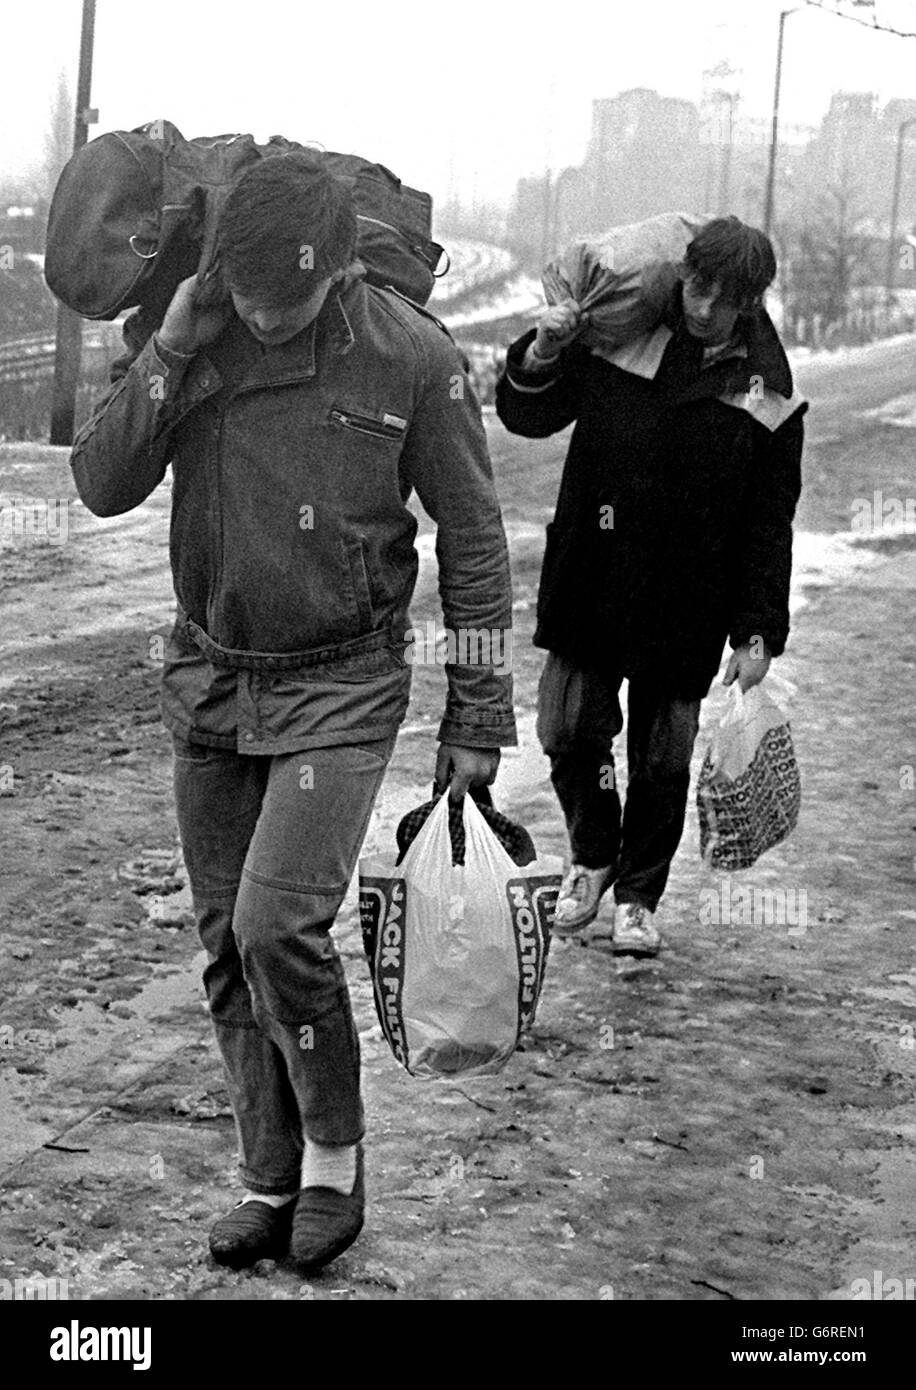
[{"x": 672, "y": 534}]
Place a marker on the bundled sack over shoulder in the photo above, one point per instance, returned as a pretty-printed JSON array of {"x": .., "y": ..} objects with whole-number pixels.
[
  {"x": 623, "y": 278},
  {"x": 457, "y": 952},
  {"x": 749, "y": 790},
  {"x": 136, "y": 211}
]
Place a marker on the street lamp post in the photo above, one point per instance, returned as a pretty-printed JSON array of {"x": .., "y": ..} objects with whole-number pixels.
[
  {"x": 547, "y": 216},
  {"x": 564, "y": 180},
  {"x": 895, "y": 209},
  {"x": 725, "y": 168},
  {"x": 69, "y": 341},
  {"x": 774, "y": 136}
]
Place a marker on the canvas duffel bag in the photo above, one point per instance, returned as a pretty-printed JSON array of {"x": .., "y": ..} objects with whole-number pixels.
[{"x": 135, "y": 212}]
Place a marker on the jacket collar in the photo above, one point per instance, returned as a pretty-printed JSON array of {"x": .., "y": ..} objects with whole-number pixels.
[
  {"x": 334, "y": 323},
  {"x": 765, "y": 355},
  {"x": 241, "y": 364},
  {"x": 333, "y": 327}
]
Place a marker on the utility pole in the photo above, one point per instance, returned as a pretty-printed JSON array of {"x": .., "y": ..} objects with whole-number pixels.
[
  {"x": 774, "y": 136},
  {"x": 557, "y": 225},
  {"x": 547, "y": 206},
  {"x": 547, "y": 216},
  {"x": 69, "y": 341},
  {"x": 710, "y": 171},
  {"x": 895, "y": 209},
  {"x": 721, "y": 138},
  {"x": 725, "y": 167}
]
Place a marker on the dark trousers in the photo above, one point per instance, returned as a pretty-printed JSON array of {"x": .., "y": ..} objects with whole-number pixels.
[
  {"x": 270, "y": 845},
  {"x": 579, "y": 716}
]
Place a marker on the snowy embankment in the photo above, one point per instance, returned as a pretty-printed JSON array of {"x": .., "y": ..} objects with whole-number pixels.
[
  {"x": 473, "y": 265},
  {"x": 801, "y": 356},
  {"x": 520, "y": 295},
  {"x": 483, "y": 286}
]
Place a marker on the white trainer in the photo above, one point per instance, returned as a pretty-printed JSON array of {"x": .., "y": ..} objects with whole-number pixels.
[
  {"x": 634, "y": 932},
  {"x": 579, "y": 898}
]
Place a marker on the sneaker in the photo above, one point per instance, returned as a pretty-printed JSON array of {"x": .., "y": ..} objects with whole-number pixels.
[
  {"x": 634, "y": 932},
  {"x": 579, "y": 898}
]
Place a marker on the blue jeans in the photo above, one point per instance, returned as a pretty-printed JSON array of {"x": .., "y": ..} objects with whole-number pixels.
[
  {"x": 579, "y": 716},
  {"x": 270, "y": 844}
]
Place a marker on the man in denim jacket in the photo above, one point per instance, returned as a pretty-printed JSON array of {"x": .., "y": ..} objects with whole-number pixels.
[{"x": 298, "y": 416}]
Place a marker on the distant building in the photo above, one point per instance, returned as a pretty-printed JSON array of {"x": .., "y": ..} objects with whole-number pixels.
[
  {"x": 648, "y": 153},
  {"x": 23, "y": 228},
  {"x": 644, "y": 155},
  {"x": 626, "y": 121},
  {"x": 848, "y": 138}
]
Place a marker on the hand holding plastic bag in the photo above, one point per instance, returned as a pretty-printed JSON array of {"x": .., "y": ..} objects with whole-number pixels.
[
  {"x": 457, "y": 952},
  {"x": 749, "y": 789}
]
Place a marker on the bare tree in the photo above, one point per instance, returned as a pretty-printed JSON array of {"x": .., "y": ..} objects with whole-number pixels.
[{"x": 833, "y": 256}]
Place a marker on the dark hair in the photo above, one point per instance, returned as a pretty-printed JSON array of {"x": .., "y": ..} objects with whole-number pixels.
[
  {"x": 287, "y": 223},
  {"x": 738, "y": 258}
]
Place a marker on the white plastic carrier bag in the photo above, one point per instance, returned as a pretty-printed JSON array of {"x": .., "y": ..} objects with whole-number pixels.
[
  {"x": 457, "y": 952},
  {"x": 749, "y": 789}
]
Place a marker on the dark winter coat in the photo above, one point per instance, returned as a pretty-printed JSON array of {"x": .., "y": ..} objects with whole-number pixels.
[{"x": 673, "y": 526}]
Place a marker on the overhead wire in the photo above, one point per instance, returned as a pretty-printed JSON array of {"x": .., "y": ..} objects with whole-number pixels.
[{"x": 872, "y": 23}]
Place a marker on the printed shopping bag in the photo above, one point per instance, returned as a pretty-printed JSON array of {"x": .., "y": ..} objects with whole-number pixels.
[
  {"x": 457, "y": 952},
  {"x": 749, "y": 790}
]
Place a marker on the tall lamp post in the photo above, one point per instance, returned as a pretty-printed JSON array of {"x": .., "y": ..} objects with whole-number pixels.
[
  {"x": 562, "y": 183},
  {"x": 895, "y": 209},
  {"x": 69, "y": 342},
  {"x": 725, "y": 167},
  {"x": 774, "y": 136}
]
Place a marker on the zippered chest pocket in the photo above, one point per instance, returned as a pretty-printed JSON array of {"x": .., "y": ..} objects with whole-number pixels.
[{"x": 386, "y": 425}]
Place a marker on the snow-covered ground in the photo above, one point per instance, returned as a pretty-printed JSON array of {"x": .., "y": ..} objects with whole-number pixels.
[
  {"x": 821, "y": 560},
  {"x": 846, "y": 353},
  {"x": 473, "y": 263},
  {"x": 476, "y": 263},
  {"x": 520, "y": 295}
]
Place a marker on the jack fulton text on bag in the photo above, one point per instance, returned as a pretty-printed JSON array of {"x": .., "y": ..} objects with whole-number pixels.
[
  {"x": 382, "y": 912},
  {"x": 532, "y": 905}
]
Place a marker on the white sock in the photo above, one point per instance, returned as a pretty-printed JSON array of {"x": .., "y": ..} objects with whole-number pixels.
[
  {"x": 271, "y": 1198},
  {"x": 329, "y": 1165}
]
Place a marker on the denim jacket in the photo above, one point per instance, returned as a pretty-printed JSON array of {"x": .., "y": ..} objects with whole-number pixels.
[{"x": 292, "y": 547}]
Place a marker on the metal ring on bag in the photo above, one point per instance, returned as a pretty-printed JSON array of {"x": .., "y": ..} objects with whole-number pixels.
[{"x": 143, "y": 257}]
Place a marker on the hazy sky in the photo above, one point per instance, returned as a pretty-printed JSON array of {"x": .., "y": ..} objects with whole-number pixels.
[{"x": 476, "y": 92}]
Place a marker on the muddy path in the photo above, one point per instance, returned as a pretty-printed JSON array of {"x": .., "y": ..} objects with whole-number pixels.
[{"x": 734, "y": 1120}]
